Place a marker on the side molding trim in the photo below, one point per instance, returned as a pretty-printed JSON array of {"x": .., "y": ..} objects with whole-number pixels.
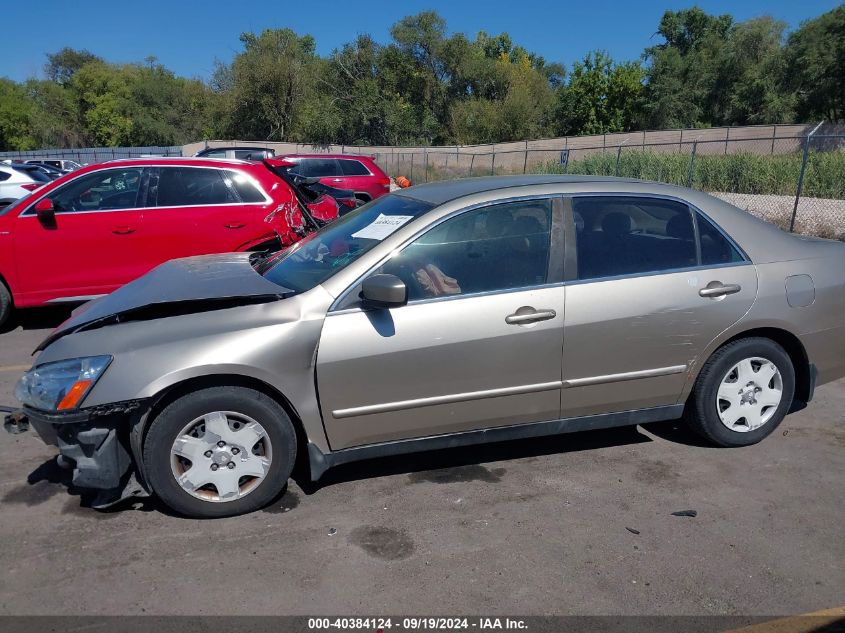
[
  {"x": 320, "y": 462},
  {"x": 402, "y": 405},
  {"x": 629, "y": 375}
]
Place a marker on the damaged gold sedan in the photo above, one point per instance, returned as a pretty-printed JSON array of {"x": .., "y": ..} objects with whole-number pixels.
[{"x": 441, "y": 315}]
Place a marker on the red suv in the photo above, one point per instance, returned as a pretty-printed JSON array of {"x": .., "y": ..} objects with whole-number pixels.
[
  {"x": 102, "y": 226},
  {"x": 343, "y": 171}
]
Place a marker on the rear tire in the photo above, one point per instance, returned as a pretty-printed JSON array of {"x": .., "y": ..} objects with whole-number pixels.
[
  {"x": 5, "y": 304},
  {"x": 743, "y": 392},
  {"x": 235, "y": 436}
]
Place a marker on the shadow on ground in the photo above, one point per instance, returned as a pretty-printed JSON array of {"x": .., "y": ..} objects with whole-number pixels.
[
  {"x": 37, "y": 318},
  {"x": 466, "y": 463}
]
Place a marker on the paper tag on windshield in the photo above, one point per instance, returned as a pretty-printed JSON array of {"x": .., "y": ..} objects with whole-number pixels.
[{"x": 382, "y": 226}]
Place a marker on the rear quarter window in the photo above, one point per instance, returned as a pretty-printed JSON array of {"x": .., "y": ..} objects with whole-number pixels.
[
  {"x": 246, "y": 190},
  {"x": 353, "y": 167}
]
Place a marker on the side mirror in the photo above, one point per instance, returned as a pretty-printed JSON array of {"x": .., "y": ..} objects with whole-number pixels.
[
  {"x": 384, "y": 291},
  {"x": 45, "y": 212}
]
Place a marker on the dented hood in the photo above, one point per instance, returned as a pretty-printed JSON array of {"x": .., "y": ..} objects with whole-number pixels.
[{"x": 180, "y": 286}]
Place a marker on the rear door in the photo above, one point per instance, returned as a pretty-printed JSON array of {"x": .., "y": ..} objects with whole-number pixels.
[
  {"x": 636, "y": 317},
  {"x": 200, "y": 210},
  {"x": 94, "y": 245}
]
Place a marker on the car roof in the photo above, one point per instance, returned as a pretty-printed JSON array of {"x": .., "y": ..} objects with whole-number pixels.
[
  {"x": 350, "y": 156},
  {"x": 191, "y": 161},
  {"x": 448, "y": 190},
  {"x": 237, "y": 147}
]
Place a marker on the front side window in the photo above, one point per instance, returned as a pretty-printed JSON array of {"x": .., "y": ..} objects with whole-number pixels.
[
  {"x": 314, "y": 259},
  {"x": 105, "y": 190},
  {"x": 190, "y": 186},
  {"x": 618, "y": 235},
  {"x": 498, "y": 247},
  {"x": 215, "y": 153}
]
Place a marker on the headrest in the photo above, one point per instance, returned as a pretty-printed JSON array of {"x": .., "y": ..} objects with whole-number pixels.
[{"x": 616, "y": 224}]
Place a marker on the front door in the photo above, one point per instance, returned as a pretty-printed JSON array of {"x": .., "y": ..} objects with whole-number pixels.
[
  {"x": 652, "y": 284},
  {"x": 478, "y": 344},
  {"x": 92, "y": 247}
]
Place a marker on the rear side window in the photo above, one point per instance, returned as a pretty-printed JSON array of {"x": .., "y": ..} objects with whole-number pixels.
[
  {"x": 247, "y": 191},
  {"x": 318, "y": 167},
  {"x": 353, "y": 167},
  {"x": 191, "y": 186},
  {"x": 216, "y": 153},
  {"x": 618, "y": 235},
  {"x": 4, "y": 176},
  {"x": 715, "y": 247}
]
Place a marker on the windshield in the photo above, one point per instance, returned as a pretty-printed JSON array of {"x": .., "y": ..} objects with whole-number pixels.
[{"x": 311, "y": 261}]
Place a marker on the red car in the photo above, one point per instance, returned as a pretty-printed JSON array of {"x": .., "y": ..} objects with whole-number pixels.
[
  {"x": 97, "y": 228},
  {"x": 343, "y": 171}
]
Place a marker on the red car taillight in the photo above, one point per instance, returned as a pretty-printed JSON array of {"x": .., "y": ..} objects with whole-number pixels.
[
  {"x": 31, "y": 186},
  {"x": 349, "y": 202}
]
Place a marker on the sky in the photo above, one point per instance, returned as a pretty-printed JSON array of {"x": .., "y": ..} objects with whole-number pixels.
[{"x": 187, "y": 36}]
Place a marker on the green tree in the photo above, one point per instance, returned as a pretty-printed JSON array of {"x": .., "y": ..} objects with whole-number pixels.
[
  {"x": 600, "y": 97},
  {"x": 815, "y": 59},
  {"x": 16, "y": 109}
]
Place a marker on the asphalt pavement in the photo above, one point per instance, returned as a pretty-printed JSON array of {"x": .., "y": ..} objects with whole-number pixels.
[{"x": 579, "y": 524}]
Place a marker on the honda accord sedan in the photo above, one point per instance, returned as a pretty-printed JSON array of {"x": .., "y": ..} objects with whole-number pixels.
[{"x": 441, "y": 315}]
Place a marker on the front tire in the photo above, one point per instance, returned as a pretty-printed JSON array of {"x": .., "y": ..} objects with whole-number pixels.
[
  {"x": 743, "y": 392},
  {"x": 220, "y": 451}
]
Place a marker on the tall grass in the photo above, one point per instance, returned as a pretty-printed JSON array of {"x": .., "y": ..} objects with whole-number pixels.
[{"x": 734, "y": 173}]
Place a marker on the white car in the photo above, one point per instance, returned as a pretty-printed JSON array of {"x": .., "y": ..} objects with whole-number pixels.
[
  {"x": 18, "y": 180},
  {"x": 63, "y": 164}
]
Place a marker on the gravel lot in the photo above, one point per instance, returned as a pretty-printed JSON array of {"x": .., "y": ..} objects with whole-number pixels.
[{"x": 579, "y": 524}]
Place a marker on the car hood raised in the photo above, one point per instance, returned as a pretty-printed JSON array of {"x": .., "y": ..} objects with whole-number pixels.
[{"x": 180, "y": 286}]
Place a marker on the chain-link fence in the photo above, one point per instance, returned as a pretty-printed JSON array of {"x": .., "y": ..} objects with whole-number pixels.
[
  {"x": 796, "y": 182},
  {"x": 91, "y": 155}
]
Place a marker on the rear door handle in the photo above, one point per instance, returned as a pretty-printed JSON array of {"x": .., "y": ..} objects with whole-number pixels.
[
  {"x": 718, "y": 289},
  {"x": 527, "y": 314},
  {"x": 235, "y": 225},
  {"x": 123, "y": 230}
]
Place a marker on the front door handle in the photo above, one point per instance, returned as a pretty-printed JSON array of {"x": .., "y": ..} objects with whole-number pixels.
[
  {"x": 527, "y": 314},
  {"x": 235, "y": 225},
  {"x": 717, "y": 289},
  {"x": 123, "y": 230}
]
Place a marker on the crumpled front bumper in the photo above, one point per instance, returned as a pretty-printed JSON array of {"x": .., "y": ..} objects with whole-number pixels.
[{"x": 94, "y": 441}]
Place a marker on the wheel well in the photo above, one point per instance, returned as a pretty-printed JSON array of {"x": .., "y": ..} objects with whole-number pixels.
[
  {"x": 364, "y": 197},
  {"x": 172, "y": 393},
  {"x": 797, "y": 354}
]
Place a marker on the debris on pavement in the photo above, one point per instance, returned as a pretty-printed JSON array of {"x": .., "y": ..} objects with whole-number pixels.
[
  {"x": 632, "y": 530},
  {"x": 685, "y": 513}
]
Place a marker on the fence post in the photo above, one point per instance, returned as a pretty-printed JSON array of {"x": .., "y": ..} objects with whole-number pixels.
[
  {"x": 493, "y": 163},
  {"x": 412, "y": 166},
  {"x": 801, "y": 177},
  {"x": 618, "y": 156},
  {"x": 425, "y": 163},
  {"x": 471, "y": 163},
  {"x": 692, "y": 163},
  {"x": 525, "y": 159}
]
